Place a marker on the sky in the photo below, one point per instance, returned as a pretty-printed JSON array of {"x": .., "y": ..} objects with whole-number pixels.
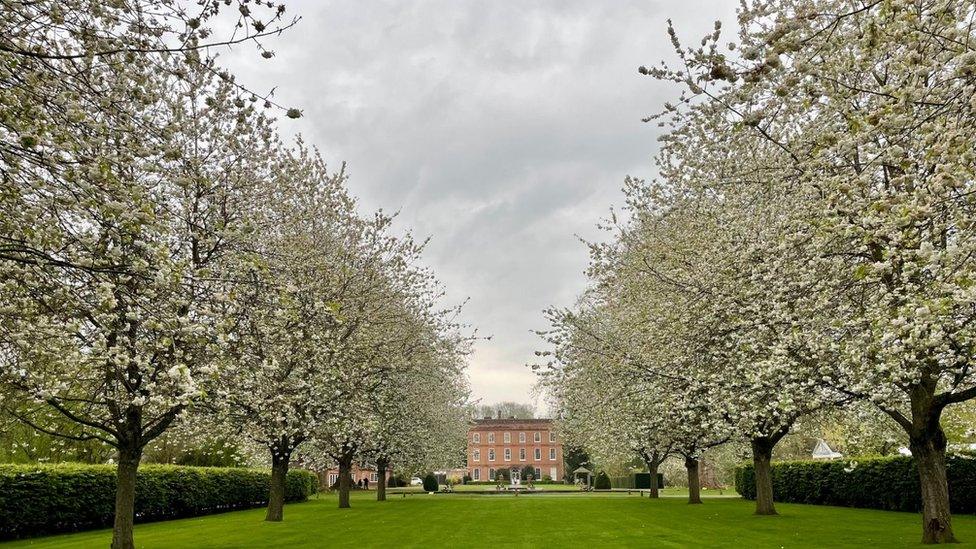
[{"x": 503, "y": 130}]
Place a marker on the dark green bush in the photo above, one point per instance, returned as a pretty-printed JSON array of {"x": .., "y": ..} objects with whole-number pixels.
[
  {"x": 528, "y": 471},
  {"x": 602, "y": 481},
  {"x": 40, "y": 499},
  {"x": 430, "y": 483},
  {"x": 889, "y": 483}
]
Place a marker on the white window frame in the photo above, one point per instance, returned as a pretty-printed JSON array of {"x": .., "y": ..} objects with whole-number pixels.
[
  {"x": 538, "y": 454},
  {"x": 537, "y": 436},
  {"x": 521, "y": 438},
  {"x": 476, "y": 455},
  {"x": 507, "y": 437},
  {"x": 476, "y": 438},
  {"x": 508, "y": 454},
  {"x": 491, "y": 454},
  {"x": 538, "y": 473},
  {"x": 476, "y": 474},
  {"x": 491, "y": 438},
  {"x": 552, "y": 436},
  {"x": 374, "y": 477},
  {"x": 552, "y": 454},
  {"x": 491, "y": 474},
  {"x": 333, "y": 478},
  {"x": 521, "y": 454}
]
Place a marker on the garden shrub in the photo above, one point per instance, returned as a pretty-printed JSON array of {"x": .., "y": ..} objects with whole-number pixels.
[
  {"x": 430, "y": 483},
  {"x": 42, "y": 499},
  {"x": 889, "y": 483},
  {"x": 602, "y": 481}
]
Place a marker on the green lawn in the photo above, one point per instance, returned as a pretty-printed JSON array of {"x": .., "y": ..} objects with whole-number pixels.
[
  {"x": 556, "y": 520},
  {"x": 667, "y": 492},
  {"x": 489, "y": 487}
]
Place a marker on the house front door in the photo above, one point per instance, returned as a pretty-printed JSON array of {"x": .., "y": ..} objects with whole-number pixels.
[{"x": 516, "y": 477}]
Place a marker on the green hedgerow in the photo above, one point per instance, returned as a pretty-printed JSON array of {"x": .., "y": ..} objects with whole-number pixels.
[
  {"x": 889, "y": 483},
  {"x": 42, "y": 499}
]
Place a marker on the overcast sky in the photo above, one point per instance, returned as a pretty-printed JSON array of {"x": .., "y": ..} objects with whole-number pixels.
[{"x": 502, "y": 129}]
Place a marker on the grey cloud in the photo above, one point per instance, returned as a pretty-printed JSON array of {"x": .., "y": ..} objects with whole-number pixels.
[{"x": 500, "y": 128}]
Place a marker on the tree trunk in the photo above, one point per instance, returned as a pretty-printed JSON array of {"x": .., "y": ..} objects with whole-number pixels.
[
  {"x": 279, "y": 476},
  {"x": 762, "y": 455},
  {"x": 381, "y": 465},
  {"x": 653, "y": 465},
  {"x": 125, "y": 498},
  {"x": 345, "y": 480},
  {"x": 694, "y": 480},
  {"x": 929, "y": 455}
]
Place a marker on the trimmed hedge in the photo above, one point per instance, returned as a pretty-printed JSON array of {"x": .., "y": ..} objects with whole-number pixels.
[
  {"x": 430, "y": 483},
  {"x": 889, "y": 483},
  {"x": 42, "y": 499}
]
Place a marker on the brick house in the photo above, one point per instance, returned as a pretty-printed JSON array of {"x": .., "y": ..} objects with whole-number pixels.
[
  {"x": 511, "y": 444},
  {"x": 329, "y": 477}
]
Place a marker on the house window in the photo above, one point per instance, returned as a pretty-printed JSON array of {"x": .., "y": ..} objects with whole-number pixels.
[
  {"x": 552, "y": 437},
  {"x": 374, "y": 477},
  {"x": 537, "y": 436},
  {"x": 491, "y": 474},
  {"x": 538, "y": 473},
  {"x": 521, "y": 438},
  {"x": 508, "y": 437},
  {"x": 538, "y": 454},
  {"x": 333, "y": 478},
  {"x": 521, "y": 454},
  {"x": 491, "y": 438},
  {"x": 477, "y": 474},
  {"x": 491, "y": 454},
  {"x": 508, "y": 454},
  {"x": 552, "y": 454},
  {"x": 476, "y": 456},
  {"x": 476, "y": 438}
]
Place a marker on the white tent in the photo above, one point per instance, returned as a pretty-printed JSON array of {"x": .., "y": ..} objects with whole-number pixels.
[{"x": 822, "y": 451}]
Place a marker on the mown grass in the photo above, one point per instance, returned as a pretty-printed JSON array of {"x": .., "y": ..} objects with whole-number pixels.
[{"x": 555, "y": 520}]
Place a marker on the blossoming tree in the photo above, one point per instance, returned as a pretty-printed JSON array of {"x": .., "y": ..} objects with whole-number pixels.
[
  {"x": 124, "y": 154},
  {"x": 869, "y": 105}
]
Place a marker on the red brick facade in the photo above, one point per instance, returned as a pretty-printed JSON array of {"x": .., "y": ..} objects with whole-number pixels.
[
  {"x": 331, "y": 476},
  {"x": 512, "y": 444}
]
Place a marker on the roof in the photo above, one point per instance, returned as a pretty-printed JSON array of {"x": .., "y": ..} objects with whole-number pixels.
[
  {"x": 509, "y": 423},
  {"x": 822, "y": 451}
]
